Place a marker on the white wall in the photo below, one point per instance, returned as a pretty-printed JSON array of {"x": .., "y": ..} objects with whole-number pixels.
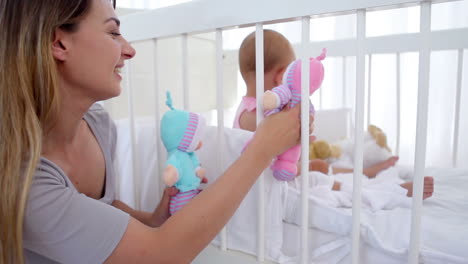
[{"x": 201, "y": 79}]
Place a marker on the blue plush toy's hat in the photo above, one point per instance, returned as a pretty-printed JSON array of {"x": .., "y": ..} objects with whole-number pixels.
[{"x": 181, "y": 129}]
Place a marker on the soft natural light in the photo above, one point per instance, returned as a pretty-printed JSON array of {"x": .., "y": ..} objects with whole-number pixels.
[
  {"x": 148, "y": 4},
  {"x": 338, "y": 88},
  {"x": 393, "y": 21},
  {"x": 456, "y": 10}
]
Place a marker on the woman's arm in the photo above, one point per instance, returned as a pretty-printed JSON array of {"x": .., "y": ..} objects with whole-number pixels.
[
  {"x": 184, "y": 235},
  {"x": 154, "y": 219}
]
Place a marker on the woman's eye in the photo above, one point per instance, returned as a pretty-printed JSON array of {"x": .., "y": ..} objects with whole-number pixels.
[{"x": 116, "y": 34}]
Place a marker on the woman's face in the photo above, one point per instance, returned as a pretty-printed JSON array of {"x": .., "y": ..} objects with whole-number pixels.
[{"x": 95, "y": 55}]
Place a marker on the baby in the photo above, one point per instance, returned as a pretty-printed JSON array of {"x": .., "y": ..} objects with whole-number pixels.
[{"x": 278, "y": 54}]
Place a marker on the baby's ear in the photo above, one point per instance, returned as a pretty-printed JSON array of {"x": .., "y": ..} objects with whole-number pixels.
[{"x": 278, "y": 78}]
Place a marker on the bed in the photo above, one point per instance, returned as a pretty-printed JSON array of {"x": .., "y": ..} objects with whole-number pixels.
[
  {"x": 275, "y": 229},
  {"x": 384, "y": 233}
]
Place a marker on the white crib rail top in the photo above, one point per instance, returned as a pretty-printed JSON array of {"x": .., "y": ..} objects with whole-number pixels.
[{"x": 200, "y": 16}]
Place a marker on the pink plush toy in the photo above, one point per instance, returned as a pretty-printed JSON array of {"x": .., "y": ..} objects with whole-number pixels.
[{"x": 285, "y": 166}]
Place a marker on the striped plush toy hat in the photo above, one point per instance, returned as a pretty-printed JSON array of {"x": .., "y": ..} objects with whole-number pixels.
[{"x": 180, "y": 129}]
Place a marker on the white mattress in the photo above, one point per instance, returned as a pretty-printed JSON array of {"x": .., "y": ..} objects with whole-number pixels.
[{"x": 384, "y": 233}]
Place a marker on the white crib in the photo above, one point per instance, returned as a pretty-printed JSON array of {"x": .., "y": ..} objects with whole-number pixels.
[{"x": 189, "y": 23}]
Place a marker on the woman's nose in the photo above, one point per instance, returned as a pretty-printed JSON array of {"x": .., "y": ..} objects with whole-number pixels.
[{"x": 128, "y": 51}]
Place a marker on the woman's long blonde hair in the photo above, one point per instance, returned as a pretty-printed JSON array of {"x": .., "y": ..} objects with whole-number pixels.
[{"x": 28, "y": 101}]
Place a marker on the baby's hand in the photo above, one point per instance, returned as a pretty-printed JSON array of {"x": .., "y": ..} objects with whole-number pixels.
[
  {"x": 170, "y": 175},
  {"x": 270, "y": 100}
]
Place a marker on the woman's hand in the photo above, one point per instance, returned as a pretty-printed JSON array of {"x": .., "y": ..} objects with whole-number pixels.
[
  {"x": 278, "y": 132},
  {"x": 161, "y": 213}
]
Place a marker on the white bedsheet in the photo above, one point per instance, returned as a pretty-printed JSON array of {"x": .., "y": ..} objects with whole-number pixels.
[
  {"x": 385, "y": 232},
  {"x": 444, "y": 230}
]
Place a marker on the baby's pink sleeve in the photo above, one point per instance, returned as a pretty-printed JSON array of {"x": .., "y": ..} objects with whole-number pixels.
[{"x": 250, "y": 103}]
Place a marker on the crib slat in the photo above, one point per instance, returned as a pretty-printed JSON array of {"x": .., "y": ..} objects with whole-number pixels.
[
  {"x": 344, "y": 82},
  {"x": 358, "y": 132},
  {"x": 136, "y": 174},
  {"x": 398, "y": 103},
  {"x": 369, "y": 90},
  {"x": 185, "y": 72},
  {"x": 457, "y": 109},
  {"x": 261, "y": 181},
  {"x": 320, "y": 93},
  {"x": 220, "y": 114},
  {"x": 421, "y": 132},
  {"x": 305, "y": 140},
  {"x": 160, "y": 151}
]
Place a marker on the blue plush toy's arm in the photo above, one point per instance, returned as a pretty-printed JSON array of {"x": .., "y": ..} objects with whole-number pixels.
[
  {"x": 199, "y": 171},
  {"x": 172, "y": 160},
  {"x": 195, "y": 161},
  {"x": 171, "y": 172}
]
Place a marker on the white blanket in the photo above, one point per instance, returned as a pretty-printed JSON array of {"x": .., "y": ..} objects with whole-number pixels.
[
  {"x": 382, "y": 192},
  {"x": 444, "y": 232}
]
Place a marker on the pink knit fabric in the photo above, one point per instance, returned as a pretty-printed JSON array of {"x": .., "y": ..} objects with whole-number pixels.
[
  {"x": 189, "y": 132},
  {"x": 180, "y": 199}
]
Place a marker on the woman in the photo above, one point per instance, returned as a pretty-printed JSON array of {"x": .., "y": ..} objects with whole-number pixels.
[{"x": 59, "y": 57}]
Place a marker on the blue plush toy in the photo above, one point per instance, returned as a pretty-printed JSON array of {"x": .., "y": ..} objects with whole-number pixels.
[{"x": 181, "y": 134}]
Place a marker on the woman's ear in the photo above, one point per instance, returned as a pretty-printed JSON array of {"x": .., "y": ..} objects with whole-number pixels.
[{"x": 60, "y": 45}]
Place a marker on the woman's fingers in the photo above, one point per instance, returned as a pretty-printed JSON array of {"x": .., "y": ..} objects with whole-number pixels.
[{"x": 280, "y": 131}]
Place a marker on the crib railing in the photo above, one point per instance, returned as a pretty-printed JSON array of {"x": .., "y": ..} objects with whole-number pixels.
[{"x": 217, "y": 16}]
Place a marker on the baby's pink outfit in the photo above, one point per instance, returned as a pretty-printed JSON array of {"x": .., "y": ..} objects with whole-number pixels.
[{"x": 247, "y": 104}]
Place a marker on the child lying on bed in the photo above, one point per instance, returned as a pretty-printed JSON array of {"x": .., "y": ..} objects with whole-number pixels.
[
  {"x": 343, "y": 182},
  {"x": 278, "y": 54}
]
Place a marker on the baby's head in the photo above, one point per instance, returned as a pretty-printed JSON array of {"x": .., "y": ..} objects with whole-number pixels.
[{"x": 277, "y": 55}]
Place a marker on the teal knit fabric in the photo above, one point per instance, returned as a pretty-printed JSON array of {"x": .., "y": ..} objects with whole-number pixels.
[{"x": 179, "y": 132}]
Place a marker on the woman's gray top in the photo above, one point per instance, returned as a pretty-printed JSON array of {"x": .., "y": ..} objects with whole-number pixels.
[{"x": 65, "y": 226}]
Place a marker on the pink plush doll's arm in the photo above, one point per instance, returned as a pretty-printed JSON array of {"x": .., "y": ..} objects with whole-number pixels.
[{"x": 276, "y": 98}]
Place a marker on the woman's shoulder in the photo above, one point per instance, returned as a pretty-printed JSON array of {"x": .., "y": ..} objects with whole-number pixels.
[
  {"x": 97, "y": 113},
  {"x": 99, "y": 119},
  {"x": 102, "y": 125},
  {"x": 49, "y": 172}
]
